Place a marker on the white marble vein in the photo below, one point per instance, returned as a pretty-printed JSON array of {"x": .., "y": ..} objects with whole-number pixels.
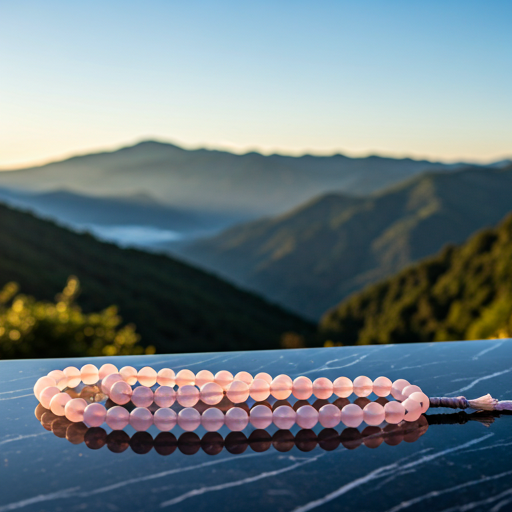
[
  {"x": 20, "y": 437},
  {"x": 494, "y": 346},
  {"x": 16, "y": 397},
  {"x": 480, "y": 379},
  {"x": 65, "y": 493},
  {"x": 479, "y": 504},
  {"x": 15, "y": 391}
]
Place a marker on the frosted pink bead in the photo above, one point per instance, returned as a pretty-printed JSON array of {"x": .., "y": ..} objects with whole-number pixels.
[
  {"x": 284, "y": 417},
  {"x": 109, "y": 381},
  {"x": 238, "y": 392},
  {"x": 142, "y": 397},
  {"x": 236, "y": 419},
  {"x": 412, "y": 409},
  {"x": 329, "y": 416},
  {"x": 89, "y": 374},
  {"x": 118, "y": 417},
  {"x": 281, "y": 387},
  {"x": 187, "y": 395},
  {"x": 394, "y": 412},
  {"x": 409, "y": 390},
  {"x": 212, "y": 419},
  {"x": 211, "y": 393},
  {"x": 307, "y": 416},
  {"x": 224, "y": 379},
  {"x": 352, "y": 415},
  {"x": 422, "y": 399},
  {"x": 107, "y": 369},
  {"x": 382, "y": 386},
  {"x": 61, "y": 381},
  {"x": 259, "y": 390},
  {"x": 47, "y": 394},
  {"x": 165, "y": 419},
  {"x": 43, "y": 382},
  {"x": 261, "y": 416},
  {"x": 302, "y": 388},
  {"x": 165, "y": 396},
  {"x": 189, "y": 419},
  {"x": 373, "y": 414},
  {"x": 146, "y": 376},
  {"x": 203, "y": 377},
  {"x": 74, "y": 410},
  {"x": 396, "y": 389},
  {"x": 58, "y": 402},
  {"x": 363, "y": 386},
  {"x": 141, "y": 419},
  {"x": 94, "y": 415},
  {"x": 244, "y": 377},
  {"x": 185, "y": 378},
  {"x": 166, "y": 377},
  {"x": 342, "y": 387},
  {"x": 322, "y": 388},
  {"x": 129, "y": 374},
  {"x": 73, "y": 375},
  {"x": 121, "y": 392},
  {"x": 264, "y": 376}
]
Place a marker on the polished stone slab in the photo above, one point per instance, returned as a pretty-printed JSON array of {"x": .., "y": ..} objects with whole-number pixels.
[{"x": 457, "y": 464}]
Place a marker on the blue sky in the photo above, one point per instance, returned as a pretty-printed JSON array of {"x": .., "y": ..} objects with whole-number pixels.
[{"x": 425, "y": 79}]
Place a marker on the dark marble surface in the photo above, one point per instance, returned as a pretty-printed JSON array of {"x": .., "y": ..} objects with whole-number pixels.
[{"x": 456, "y": 465}]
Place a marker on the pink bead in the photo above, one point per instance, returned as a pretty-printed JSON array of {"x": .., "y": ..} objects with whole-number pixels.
[
  {"x": 352, "y": 415},
  {"x": 141, "y": 419},
  {"x": 189, "y": 419},
  {"x": 284, "y": 417},
  {"x": 212, "y": 419},
  {"x": 244, "y": 377},
  {"x": 47, "y": 394},
  {"x": 363, "y": 386},
  {"x": 142, "y": 397},
  {"x": 74, "y": 409},
  {"x": 94, "y": 415},
  {"x": 238, "y": 392},
  {"x": 109, "y": 381},
  {"x": 394, "y": 412},
  {"x": 396, "y": 389},
  {"x": 203, "y": 377},
  {"x": 329, "y": 416},
  {"x": 259, "y": 390},
  {"x": 382, "y": 386},
  {"x": 281, "y": 387},
  {"x": 261, "y": 416},
  {"x": 89, "y": 374},
  {"x": 165, "y": 419},
  {"x": 58, "y": 402},
  {"x": 322, "y": 388},
  {"x": 236, "y": 419},
  {"x": 118, "y": 417},
  {"x": 185, "y": 378},
  {"x": 422, "y": 399},
  {"x": 302, "y": 388},
  {"x": 107, "y": 369},
  {"x": 166, "y": 377},
  {"x": 121, "y": 392},
  {"x": 307, "y": 416},
  {"x": 146, "y": 376},
  {"x": 61, "y": 381},
  {"x": 409, "y": 390},
  {"x": 187, "y": 396},
  {"x": 129, "y": 374},
  {"x": 211, "y": 393},
  {"x": 342, "y": 387},
  {"x": 73, "y": 376},
  {"x": 412, "y": 409},
  {"x": 373, "y": 414},
  {"x": 264, "y": 376},
  {"x": 43, "y": 382},
  {"x": 224, "y": 379},
  {"x": 165, "y": 396}
]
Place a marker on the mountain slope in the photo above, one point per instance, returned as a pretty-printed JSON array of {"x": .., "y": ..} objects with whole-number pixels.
[
  {"x": 312, "y": 257},
  {"x": 216, "y": 181},
  {"x": 175, "y": 307},
  {"x": 462, "y": 293}
]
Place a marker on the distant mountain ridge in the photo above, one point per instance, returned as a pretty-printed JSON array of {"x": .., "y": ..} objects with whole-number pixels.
[{"x": 312, "y": 257}]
